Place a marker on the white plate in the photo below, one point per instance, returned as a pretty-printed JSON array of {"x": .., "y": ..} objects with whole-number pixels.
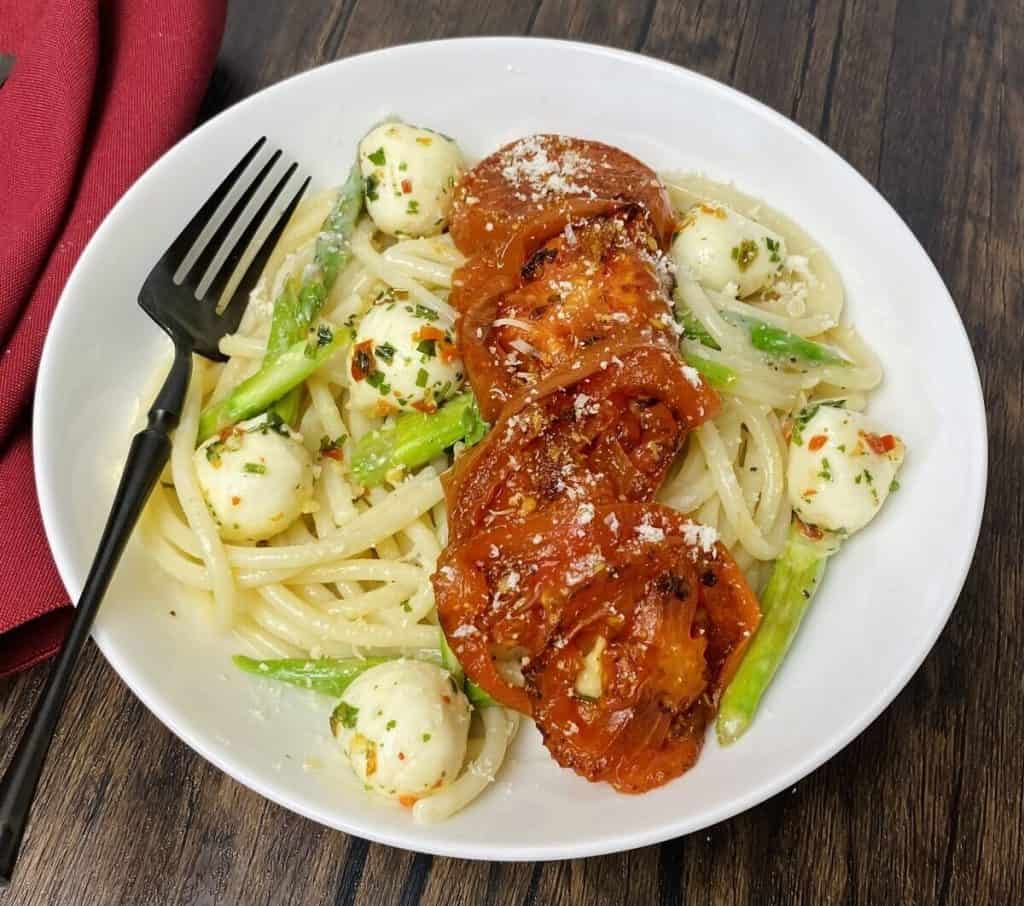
[{"x": 885, "y": 599}]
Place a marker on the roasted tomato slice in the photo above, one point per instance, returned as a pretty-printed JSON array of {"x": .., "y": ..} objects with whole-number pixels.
[
  {"x": 603, "y": 280},
  {"x": 630, "y": 678},
  {"x": 626, "y": 620},
  {"x": 527, "y": 191},
  {"x": 605, "y": 431}
]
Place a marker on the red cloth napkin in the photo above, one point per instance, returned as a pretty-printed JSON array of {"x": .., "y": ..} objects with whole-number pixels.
[{"x": 98, "y": 91}]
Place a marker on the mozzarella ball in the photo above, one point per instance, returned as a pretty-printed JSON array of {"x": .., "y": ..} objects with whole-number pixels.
[
  {"x": 403, "y": 726},
  {"x": 720, "y": 246},
  {"x": 403, "y": 358},
  {"x": 409, "y": 174},
  {"x": 257, "y": 479},
  {"x": 841, "y": 468}
]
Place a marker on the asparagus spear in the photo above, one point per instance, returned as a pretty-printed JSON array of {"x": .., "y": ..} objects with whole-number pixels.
[
  {"x": 772, "y": 340},
  {"x": 694, "y": 330},
  {"x": 301, "y": 300},
  {"x": 299, "y": 303},
  {"x": 271, "y": 382},
  {"x": 415, "y": 438},
  {"x": 782, "y": 344},
  {"x": 794, "y": 580},
  {"x": 295, "y": 311},
  {"x": 477, "y": 697},
  {"x": 330, "y": 676},
  {"x": 719, "y": 376}
]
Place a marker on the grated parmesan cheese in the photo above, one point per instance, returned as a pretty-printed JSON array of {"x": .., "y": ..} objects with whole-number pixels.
[
  {"x": 692, "y": 376},
  {"x": 703, "y": 536},
  {"x": 650, "y": 534}
]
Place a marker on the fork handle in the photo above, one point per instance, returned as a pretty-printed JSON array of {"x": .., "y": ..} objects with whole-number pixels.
[{"x": 150, "y": 450}]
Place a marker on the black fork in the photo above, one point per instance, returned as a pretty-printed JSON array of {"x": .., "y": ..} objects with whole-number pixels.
[{"x": 195, "y": 323}]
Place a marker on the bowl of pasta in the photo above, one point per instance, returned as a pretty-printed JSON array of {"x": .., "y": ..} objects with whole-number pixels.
[{"x": 580, "y": 475}]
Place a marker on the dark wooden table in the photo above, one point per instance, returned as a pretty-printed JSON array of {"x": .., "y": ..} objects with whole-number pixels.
[{"x": 926, "y": 99}]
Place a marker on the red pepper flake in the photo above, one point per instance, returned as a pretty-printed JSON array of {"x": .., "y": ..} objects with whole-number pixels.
[
  {"x": 811, "y": 531},
  {"x": 335, "y": 453},
  {"x": 884, "y": 444},
  {"x": 401, "y": 756},
  {"x": 446, "y": 699},
  {"x": 428, "y": 332},
  {"x": 817, "y": 442},
  {"x": 235, "y": 501},
  {"x": 406, "y": 186},
  {"x": 427, "y": 406},
  {"x": 407, "y": 801},
  {"x": 447, "y": 352},
  {"x": 362, "y": 360}
]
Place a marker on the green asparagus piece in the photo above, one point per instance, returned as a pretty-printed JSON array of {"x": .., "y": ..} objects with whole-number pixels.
[
  {"x": 295, "y": 311},
  {"x": 767, "y": 338},
  {"x": 719, "y": 376},
  {"x": 787, "y": 596},
  {"x": 270, "y": 383},
  {"x": 782, "y": 344},
  {"x": 449, "y": 661},
  {"x": 477, "y": 697},
  {"x": 694, "y": 330},
  {"x": 415, "y": 438},
  {"x": 299, "y": 303},
  {"x": 328, "y": 675}
]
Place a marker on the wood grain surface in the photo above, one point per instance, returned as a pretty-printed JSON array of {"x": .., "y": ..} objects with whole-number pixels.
[{"x": 925, "y": 98}]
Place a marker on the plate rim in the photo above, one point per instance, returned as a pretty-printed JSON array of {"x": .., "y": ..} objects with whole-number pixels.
[{"x": 46, "y": 385}]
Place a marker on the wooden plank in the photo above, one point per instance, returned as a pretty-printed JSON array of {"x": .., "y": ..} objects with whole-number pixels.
[{"x": 926, "y": 99}]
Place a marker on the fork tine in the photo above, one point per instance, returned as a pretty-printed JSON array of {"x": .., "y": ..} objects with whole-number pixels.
[
  {"x": 197, "y": 272},
  {"x": 251, "y": 274},
  {"x": 187, "y": 237},
  {"x": 220, "y": 280}
]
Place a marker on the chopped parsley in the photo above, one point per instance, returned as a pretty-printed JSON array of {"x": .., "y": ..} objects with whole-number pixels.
[
  {"x": 744, "y": 254},
  {"x": 773, "y": 248},
  {"x": 425, "y": 737},
  {"x": 274, "y": 423},
  {"x": 255, "y": 468},
  {"x": 346, "y": 715},
  {"x": 422, "y": 377},
  {"x": 407, "y": 607},
  {"x": 371, "y": 188},
  {"x": 377, "y": 379},
  {"x": 324, "y": 335},
  {"x": 413, "y": 207},
  {"x": 894, "y": 485},
  {"x": 213, "y": 453},
  {"x": 427, "y": 348},
  {"x": 803, "y": 417},
  {"x": 403, "y": 166},
  {"x": 377, "y": 157},
  {"x": 424, "y": 313},
  {"x": 826, "y": 470},
  {"x": 391, "y": 724},
  {"x": 386, "y": 352}
]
